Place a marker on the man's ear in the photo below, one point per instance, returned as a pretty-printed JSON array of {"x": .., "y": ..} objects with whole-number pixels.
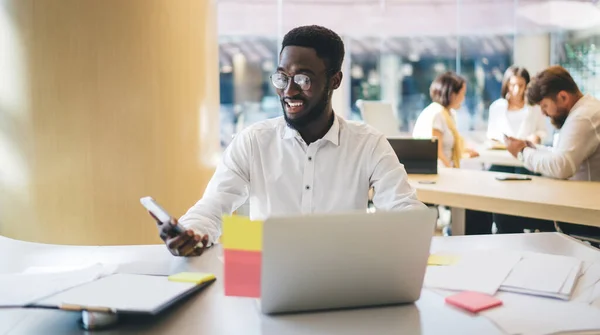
[
  {"x": 562, "y": 97},
  {"x": 336, "y": 80}
]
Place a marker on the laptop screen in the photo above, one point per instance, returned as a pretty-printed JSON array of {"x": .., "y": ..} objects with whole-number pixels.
[{"x": 419, "y": 156}]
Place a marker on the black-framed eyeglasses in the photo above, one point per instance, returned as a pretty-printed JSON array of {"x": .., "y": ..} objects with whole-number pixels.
[{"x": 281, "y": 81}]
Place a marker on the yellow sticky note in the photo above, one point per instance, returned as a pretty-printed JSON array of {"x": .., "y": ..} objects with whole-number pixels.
[
  {"x": 192, "y": 277},
  {"x": 241, "y": 233},
  {"x": 441, "y": 259}
]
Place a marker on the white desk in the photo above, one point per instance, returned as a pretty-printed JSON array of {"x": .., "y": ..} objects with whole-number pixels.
[
  {"x": 542, "y": 198},
  {"x": 210, "y": 312}
]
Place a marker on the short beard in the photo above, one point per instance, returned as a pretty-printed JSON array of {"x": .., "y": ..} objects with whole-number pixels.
[
  {"x": 313, "y": 114},
  {"x": 559, "y": 120}
]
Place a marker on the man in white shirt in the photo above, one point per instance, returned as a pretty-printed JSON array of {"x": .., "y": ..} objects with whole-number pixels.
[
  {"x": 576, "y": 154},
  {"x": 308, "y": 161}
]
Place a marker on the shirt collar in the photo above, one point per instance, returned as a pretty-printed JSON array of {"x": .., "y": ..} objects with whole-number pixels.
[
  {"x": 332, "y": 135},
  {"x": 580, "y": 102}
]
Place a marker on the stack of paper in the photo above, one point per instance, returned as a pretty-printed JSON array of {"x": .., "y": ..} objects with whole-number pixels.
[
  {"x": 544, "y": 275},
  {"x": 22, "y": 289},
  {"x": 489, "y": 271},
  {"x": 481, "y": 271}
]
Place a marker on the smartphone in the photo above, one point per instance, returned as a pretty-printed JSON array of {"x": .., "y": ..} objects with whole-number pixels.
[
  {"x": 515, "y": 177},
  {"x": 161, "y": 216}
]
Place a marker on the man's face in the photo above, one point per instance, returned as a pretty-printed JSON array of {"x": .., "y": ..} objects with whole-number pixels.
[
  {"x": 556, "y": 109},
  {"x": 307, "y": 89}
]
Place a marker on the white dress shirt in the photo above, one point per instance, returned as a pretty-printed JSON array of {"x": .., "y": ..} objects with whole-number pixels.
[
  {"x": 518, "y": 124},
  {"x": 576, "y": 154},
  {"x": 269, "y": 164}
]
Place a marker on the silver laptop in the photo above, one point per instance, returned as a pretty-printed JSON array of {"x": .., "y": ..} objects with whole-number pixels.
[{"x": 334, "y": 261}]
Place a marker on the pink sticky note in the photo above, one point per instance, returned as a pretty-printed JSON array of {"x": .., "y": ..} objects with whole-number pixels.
[
  {"x": 242, "y": 273},
  {"x": 473, "y": 301}
]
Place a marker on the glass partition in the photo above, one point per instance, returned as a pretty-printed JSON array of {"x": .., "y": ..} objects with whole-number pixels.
[{"x": 395, "y": 48}]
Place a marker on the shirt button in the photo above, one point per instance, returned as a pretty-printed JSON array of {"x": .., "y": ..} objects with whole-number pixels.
[
  {"x": 309, "y": 158},
  {"x": 307, "y": 187}
]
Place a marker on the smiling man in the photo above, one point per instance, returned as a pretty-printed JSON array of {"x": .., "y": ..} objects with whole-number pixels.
[{"x": 308, "y": 161}]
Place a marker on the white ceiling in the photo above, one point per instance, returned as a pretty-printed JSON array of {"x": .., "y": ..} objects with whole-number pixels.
[{"x": 395, "y": 18}]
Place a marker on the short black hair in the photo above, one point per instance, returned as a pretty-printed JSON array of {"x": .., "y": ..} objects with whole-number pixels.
[
  {"x": 444, "y": 85},
  {"x": 328, "y": 45},
  {"x": 514, "y": 71},
  {"x": 549, "y": 82}
]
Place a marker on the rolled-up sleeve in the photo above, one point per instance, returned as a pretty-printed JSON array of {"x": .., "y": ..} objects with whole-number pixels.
[
  {"x": 578, "y": 140},
  {"x": 390, "y": 181},
  {"x": 227, "y": 190}
]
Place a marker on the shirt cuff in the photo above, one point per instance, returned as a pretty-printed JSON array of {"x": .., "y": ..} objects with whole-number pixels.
[{"x": 527, "y": 151}]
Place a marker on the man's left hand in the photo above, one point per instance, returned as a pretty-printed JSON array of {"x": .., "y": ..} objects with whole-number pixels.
[{"x": 514, "y": 146}]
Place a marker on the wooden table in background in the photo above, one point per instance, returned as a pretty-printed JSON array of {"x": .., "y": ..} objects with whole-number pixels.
[{"x": 541, "y": 198}]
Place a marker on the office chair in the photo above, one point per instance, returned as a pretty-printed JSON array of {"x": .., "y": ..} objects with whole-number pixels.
[{"x": 380, "y": 115}]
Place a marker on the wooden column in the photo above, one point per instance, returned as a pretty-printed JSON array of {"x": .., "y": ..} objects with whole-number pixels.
[{"x": 103, "y": 102}]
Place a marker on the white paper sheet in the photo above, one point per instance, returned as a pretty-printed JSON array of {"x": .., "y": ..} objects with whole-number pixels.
[
  {"x": 584, "y": 289},
  {"x": 542, "y": 273},
  {"x": 480, "y": 271},
  {"x": 584, "y": 296},
  {"x": 24, "y": 288},
  {"x": 124, "y": 292},
  {"x": 531, "y": 315},
  {"x": 591, "y": 276},
  {"x": 595, "y": 299}
]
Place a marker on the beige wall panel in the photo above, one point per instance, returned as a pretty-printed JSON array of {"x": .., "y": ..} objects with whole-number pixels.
[{"x": 107, "y": 101}]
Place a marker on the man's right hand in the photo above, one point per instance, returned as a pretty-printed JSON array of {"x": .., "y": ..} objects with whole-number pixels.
[{"x": 185, "y": 244}]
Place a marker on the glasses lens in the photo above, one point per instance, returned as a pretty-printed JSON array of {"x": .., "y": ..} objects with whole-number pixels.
[
  {"x": 303, "y": 81},
  {"x": 279, "y": 80}
]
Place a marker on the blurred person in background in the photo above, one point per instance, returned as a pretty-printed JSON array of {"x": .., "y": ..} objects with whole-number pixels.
[
  {"x": 576, "y": 154},
  {"x": 447, "y": 92},
  {"x": 512, "y": 116}
]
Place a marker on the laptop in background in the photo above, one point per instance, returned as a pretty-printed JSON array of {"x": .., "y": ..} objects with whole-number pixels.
[{"x": 419, "y": 156}]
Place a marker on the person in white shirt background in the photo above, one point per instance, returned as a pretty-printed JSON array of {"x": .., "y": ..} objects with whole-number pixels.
[
  {"x": 511, "y": 115},
  {"x": 576, "y": 154},
  {"x": 438, "y": 120},
  {"x": 308, "y": 161},
  {"x": 447, "y": 93}
]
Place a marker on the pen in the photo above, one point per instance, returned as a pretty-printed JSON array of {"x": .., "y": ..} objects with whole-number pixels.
[{"x": 73, "y": 307}]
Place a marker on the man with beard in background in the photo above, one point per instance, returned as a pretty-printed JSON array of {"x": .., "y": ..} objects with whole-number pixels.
[
  {"x": 576, "y": 154},
  {"x": 308, "y": 161}
]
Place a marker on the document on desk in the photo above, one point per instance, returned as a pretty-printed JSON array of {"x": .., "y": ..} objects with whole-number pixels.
[
  {"x": 22, "y": 289},
  {"x": 124, "y": 293},
  {"x": 584, "y": 288},
  {"x": 544, "y": 275},
  {"x": 480, "y": 271},
  {"x": 531, "y": 315}
]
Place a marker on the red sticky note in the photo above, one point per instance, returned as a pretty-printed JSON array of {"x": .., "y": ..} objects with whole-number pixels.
[
  {"x": 473, "y": 301},
  {"x": 242, "y": 273}
]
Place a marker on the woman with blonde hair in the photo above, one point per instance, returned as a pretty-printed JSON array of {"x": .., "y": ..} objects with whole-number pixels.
[{"x": 447, "y": 92}]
